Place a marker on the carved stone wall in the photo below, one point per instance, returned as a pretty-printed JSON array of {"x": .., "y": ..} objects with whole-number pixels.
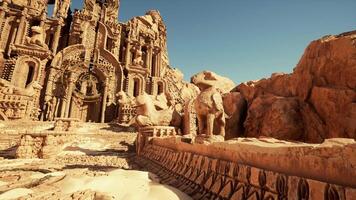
[
  {"x": 204, "y": 177},
  {"x": 35, "y": 48},
  {"x": 43, "y": 145}
]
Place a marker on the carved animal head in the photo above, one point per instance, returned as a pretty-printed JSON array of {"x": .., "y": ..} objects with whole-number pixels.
[{"x": 204, "y": 80}]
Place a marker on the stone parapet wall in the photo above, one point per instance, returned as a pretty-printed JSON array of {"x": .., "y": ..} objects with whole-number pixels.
[
  {"x": 204, "y": 177},
  {"x": 333, "y": 161}
]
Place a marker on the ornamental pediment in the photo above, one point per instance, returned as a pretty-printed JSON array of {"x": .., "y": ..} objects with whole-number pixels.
[{"x": 30, "y": 50}]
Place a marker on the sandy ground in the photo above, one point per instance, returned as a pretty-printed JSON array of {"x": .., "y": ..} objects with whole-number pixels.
[
  {"x": 118, "y": 184},
  {"x": 122, "y": 184},
  {"x": 15, "y": 193},
  {"x": 90, "y": 168}
]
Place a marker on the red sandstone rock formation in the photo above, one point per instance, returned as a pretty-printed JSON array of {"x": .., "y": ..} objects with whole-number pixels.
[
  {"x": 315, "y": 102},
  {"x": 235, "y": 110}
]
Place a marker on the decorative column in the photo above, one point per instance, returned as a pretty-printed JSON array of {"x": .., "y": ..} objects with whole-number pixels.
[
  {"x": 57, "y": 35},
  {"x": 43, "y": 19},
  {"x": 51, "y": 77},
  {"x": 159, "y": 62},
  {"x": 146, "y": 58},
  {"x": 2, "y": 61},
  {"x": 69, "y": 95},
  {"x": 130, "y": 85},
  {"x": 105, "y": 96},
  {"x": 149, "y": 57},
  {"x": 64, "y": 103},
  {"x": 22, "y": 27},
  {"x": 128, "y": 53},
  {"x": 3, "y": 11},
  {"x": 153, "y": 82},
  {"x": 156, "y": 63},
  {"x": 55, "y": 8}
]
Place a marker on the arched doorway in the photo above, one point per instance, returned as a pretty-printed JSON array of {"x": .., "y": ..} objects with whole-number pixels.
[
  {"x": 87, "y": 98},
  {"x": 136, "y": 87},
  {"x": 159, "y": 88},
  {"x": 24, "y": 74},
  {"x": 69, "y": 81}
]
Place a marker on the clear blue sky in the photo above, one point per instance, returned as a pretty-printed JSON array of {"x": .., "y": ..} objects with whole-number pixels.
[{"x": 243, "y": 39}]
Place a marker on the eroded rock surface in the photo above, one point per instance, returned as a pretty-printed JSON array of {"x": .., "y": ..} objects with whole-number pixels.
[{"x": 315, "y": 102}]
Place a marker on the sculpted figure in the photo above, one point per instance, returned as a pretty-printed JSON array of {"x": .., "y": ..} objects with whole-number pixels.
[
  {"x": 210, "y": 112},
  {"x": 51, "y": 106},
  {"x": 153, "y": 111},
  {"x": 62, "y": 12},
  {"x": 124, "y": 99},
  {"x": 138, "y": 57},
  {"x": 37, "y": 37}
]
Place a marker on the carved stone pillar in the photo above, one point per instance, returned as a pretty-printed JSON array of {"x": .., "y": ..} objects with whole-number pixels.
[
  {"x": 128, "y": 54},
  {"x": 2, "y": 62},
  {"x": 153, "y": 82},
  {"x": 156, "y": 59},
  {"x": 51, "y": 75},
  {"x": 56, "y": 8},
  {"x": 22, "y": 27},
  {"x": 64, "y": 102},
  {"x": 3, "y": 11},
  {"x": 57, "y": 35},
  {"x": 149, "y": 57},
  {"x": 159, "y": 63},
  {"x": 105, "y": 96},
  {"x": 43, "y": 19},
  {"x": 69, "y": 95}
]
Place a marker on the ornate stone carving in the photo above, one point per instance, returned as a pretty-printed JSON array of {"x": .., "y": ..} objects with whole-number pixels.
[
  {"x": 37, "y": 38},
  {"x": 206, "y": 177},
  {"x": 210, "y": 112},
  {"x": 153, "y": 111},
  {"x": 138, "y": 57},
  {"x": 63, "y": 8}
]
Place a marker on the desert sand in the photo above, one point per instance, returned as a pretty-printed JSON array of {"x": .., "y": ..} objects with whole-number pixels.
[
  {"x": 118, "y": 184},
  {"x": 85, "y": 166}
]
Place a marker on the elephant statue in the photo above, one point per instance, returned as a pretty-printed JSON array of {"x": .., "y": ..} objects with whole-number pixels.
[{"x": 210, "y": 112}]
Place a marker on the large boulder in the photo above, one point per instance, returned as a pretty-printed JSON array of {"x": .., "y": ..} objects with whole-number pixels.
[
  {"x": 208, "y": 79},
  {"x": 277, "y": 117}
]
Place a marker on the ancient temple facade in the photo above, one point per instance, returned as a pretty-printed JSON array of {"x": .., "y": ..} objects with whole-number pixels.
[{"x": 74, "y": 64}]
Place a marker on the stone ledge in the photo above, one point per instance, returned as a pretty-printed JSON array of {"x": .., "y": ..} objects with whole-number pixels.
[
  {"x": 209, "y": 178},
  {"x": 333, "y": 161}
]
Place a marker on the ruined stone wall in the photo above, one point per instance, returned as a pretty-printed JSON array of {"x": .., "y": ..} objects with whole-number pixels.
[
  {"x": 41, "y": 145},
  {"x": 215, "y": 171}
]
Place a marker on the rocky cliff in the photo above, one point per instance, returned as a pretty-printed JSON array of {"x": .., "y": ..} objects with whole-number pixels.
[{"x": 315, "y": 102}]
